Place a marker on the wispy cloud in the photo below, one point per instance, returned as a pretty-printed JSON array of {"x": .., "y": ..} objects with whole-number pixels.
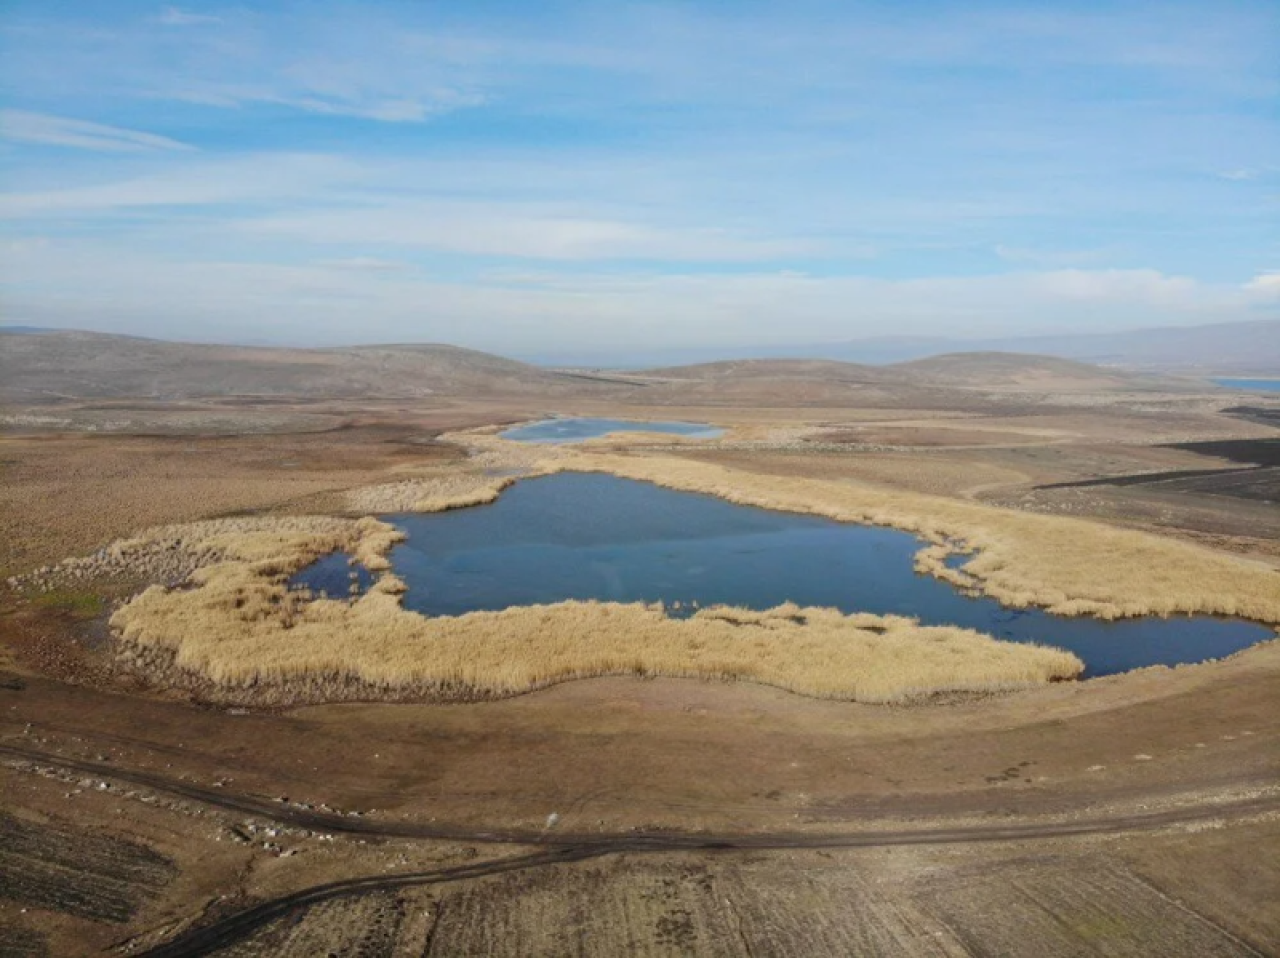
[
  {"x": 519, "y": 230},
  {"x": 177, "y": 17},
  {"x": 328, "y": 60},
  {"x": 390, "y": 110},
  {"x": 23, "y": 127},
  {"x": 275, "y": 178}
]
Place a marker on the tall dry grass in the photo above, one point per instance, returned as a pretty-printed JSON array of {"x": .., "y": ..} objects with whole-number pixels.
[
  {"x": 242, "y": 629},
  {"x": 171, "y": 553},
  {"x": 436, "y": 493}
]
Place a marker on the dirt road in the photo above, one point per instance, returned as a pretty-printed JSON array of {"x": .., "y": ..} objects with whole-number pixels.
[{"x": 561, "y": 848}]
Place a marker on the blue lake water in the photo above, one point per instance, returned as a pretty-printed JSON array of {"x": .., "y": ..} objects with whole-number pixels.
[
  {"x": 332, "y": 576},
  {"x": 1252, "y": 385},
  {"x": 589, "y": 536},
  {"x": 576, "y": 430}
]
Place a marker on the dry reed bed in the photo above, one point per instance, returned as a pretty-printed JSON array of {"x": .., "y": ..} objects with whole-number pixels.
[
  {"x": 172, "y": 553},
  {"x": 437, "y": 493},
  {"x": 240, "y": 628}
]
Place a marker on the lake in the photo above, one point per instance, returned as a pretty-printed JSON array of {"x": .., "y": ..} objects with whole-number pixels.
[
  {"x": 592, "y": 536},
  {"x": 1252, "y": 385},
  {"x": 576, "y": 430}
]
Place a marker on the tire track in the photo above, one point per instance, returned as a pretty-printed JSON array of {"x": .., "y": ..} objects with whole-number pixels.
[
  {"x": 211, "y": 938},
  {"x": 652, "y": 840},
  {"x": 558, "y": 848}
]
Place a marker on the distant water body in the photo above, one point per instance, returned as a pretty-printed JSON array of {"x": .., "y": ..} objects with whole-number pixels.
[
  {"x": 576, "y": 430},
  {"x": 589, "y": 536},
  {"x": 1252, "y": 385}
]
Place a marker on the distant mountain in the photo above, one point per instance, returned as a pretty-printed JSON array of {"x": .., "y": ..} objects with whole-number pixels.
[
  {"x": 771, "y": 382},
  {"x": 1243, "y": 348},
  {"x": 821, "y": 380},
  {"x": 62, "y": 365},
  {"x": 1017, "y": 370},
  {"x": 733, "y": 369}
]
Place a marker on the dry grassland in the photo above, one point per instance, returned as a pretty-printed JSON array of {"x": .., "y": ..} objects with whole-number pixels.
[
  {"x": 955, "y": 474},
  {"x": 70, "y": 495}
]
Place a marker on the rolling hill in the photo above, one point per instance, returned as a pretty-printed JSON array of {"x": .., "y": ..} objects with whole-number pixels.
[
  {"x": 998, "y": 370},
  {"x": 48, "y": 366},
  {"x": 1244, "y": 348}
]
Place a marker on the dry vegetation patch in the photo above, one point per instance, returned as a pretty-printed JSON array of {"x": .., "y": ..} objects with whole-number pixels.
[
  {"x": 241, "y": 629},
  {"x": 171, "y": 554},
  {"x": 70, "y": 495},
  {"x": 435, "y": 493}
]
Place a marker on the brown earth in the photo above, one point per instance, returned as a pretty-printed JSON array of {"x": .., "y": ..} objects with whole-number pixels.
[{"x": 625, "y": 760}]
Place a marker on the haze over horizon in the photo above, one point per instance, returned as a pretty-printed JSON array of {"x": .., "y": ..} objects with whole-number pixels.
[{"x": 575, "y": 179}]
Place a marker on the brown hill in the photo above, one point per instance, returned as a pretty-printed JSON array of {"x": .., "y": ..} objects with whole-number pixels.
[
  {"x": 50, "y": 366},
  {"x": 61, "y": 365},
  {"x": 771, "y": 381},
  {"x": 942, "y": 379},
  {"x": 993, "y": 370},
  {"x": 771, "y": 369}
]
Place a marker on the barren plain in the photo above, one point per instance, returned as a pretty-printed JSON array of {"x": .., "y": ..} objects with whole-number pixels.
[{"x": 1135, "y": 814}]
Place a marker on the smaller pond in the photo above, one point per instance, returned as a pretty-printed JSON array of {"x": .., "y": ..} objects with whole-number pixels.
[
  {"x": 591, "y": 536},
  {"x": 576, "y": 430},
  {"x": 1252, "y": 385},
  {"x": 337, "y": 576}
]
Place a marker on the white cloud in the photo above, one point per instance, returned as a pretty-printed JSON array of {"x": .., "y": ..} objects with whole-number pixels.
[
  {"x": 369, "y": 67},
  {"x": 24, "y": 127},
  {"x": 1120, "y": 286},
  {"x": 276, "y": 177},
  {"x": 1265, "y": 285},
  {"x": 339, "y": 207},
  {"x": 389, "y": 103},
  {"x": 522, "y": 230},
  {"x": 393, "y": 110},
  {"x": 84, "y": 284},
  {"x": 176, "y": 17}
]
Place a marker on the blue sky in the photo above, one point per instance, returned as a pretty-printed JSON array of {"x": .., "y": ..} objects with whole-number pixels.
[{"x": 523, "y": 177}]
